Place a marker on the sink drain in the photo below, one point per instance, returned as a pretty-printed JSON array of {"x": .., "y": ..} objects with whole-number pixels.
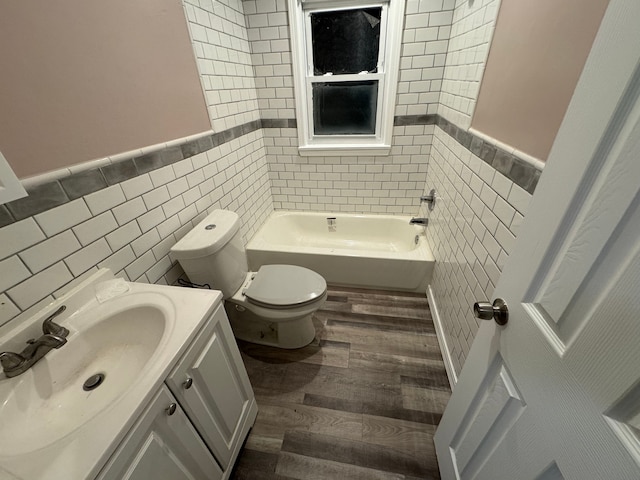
[{"x": 93, "y": 382}]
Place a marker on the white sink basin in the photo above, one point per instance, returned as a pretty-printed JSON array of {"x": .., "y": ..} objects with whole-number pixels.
[{"x": 48, "y": 401}]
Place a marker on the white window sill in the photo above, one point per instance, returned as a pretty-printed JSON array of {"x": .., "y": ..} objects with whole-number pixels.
[{"x": 343, "y": 150}]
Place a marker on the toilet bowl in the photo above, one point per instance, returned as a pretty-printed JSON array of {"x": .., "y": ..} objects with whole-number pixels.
[{"x": 273, "y": 306}]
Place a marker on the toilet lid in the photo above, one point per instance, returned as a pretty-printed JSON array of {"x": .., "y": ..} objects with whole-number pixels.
[{"x": 285, "y": 285}]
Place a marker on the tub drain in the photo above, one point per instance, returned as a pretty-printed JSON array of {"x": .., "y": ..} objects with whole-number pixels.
[{"x": 93, "y": 382}]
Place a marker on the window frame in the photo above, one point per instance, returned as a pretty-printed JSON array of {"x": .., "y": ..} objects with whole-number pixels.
[{"x": 387, "y": 76}]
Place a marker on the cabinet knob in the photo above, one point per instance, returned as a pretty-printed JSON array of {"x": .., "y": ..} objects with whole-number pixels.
[
  {"x": 188, "y": 383},
  {"x": 171, "y": 409}
]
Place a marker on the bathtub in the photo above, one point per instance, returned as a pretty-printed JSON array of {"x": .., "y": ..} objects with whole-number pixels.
[{"x": 369, "y": 251}]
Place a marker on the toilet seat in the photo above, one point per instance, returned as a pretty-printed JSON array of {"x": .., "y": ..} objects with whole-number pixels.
[{"x": 285, "y": 286}]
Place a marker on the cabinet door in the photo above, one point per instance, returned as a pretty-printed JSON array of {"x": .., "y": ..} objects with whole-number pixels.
[
  {"x": 162, "y": 447},
  {"x": 213, "y": 387}
]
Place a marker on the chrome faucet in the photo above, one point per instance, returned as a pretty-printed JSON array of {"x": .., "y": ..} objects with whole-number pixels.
[
  {"x": 419, "y": 221},
  {"x": 49, "y": 327},
  {"x": 54, "y": 336},
  {"x": 430, "y": 199}
]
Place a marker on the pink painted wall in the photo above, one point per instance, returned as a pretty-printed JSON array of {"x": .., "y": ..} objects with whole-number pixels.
[
  {"x": 538, "y": 52},
  {"x": 84, "y": 79}
]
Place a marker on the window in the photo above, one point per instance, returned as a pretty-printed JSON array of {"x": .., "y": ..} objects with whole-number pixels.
[{"x": 346, "y": 55}]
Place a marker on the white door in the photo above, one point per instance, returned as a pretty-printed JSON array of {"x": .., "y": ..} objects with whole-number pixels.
[{"x": 556, "y": 392}]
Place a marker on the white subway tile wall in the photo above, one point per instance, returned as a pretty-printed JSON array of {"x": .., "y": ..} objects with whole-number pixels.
[
  {"x": 424, "y": 46},
  {"x": 390, "y": 184},
  {"x": 471, "y": 34},
  {"x": 42, "y": 256},
  {"x": 471, "y": 232},
  {"x": 268, "y": 33},
  {"x": 220, "y": 42}
]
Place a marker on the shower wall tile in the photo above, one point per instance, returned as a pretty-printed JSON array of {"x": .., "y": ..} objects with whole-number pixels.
[
  {"x": 471, "y": 233},
  {"x": 364, "y": 184},
  {"x": 384, "y": 185},
  {"x": 470, "y": 38}
]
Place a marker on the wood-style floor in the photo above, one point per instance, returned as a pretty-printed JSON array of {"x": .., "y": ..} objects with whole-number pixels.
[{"x": 361, "y": 402}]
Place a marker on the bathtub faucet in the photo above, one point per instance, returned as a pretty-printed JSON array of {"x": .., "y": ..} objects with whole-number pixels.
[
  {"x": 430, "y": 199},
  {"x": 419, "y": 221}
]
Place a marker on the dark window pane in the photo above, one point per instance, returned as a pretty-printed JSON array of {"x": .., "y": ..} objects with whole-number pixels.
[
  {"x": 346, "y": 41},
  {"x": 345, "y": 108}
]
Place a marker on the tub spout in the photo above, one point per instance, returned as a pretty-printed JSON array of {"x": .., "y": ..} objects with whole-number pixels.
[{"x": 419, "y": 221}]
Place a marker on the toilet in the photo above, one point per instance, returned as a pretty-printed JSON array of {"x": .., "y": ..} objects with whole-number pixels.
[{"x": 272, "y": 306}]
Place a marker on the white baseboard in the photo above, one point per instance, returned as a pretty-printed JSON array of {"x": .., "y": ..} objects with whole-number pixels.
[{"x": 442, "y": 339}]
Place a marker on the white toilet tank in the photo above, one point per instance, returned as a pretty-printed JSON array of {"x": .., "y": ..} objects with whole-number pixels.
[{"x": 213, "y": 252}]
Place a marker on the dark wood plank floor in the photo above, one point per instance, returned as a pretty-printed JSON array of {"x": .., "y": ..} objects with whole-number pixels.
[{"x": 361, "y": 402}]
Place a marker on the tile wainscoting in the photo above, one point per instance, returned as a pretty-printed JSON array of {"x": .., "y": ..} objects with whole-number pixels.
[
  {"x": 483, "y": 194},
  {"x": 47, "y": 195},
  {"x": 126, "y": 216}
]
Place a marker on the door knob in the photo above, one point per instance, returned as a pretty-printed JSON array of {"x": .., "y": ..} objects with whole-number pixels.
[{"x": 486, "y": 311}]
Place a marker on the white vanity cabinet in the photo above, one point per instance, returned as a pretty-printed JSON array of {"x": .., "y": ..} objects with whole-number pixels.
[
  {"x": 195, "y": 425},
  {"x": 212, "y": 385},
  {"x": 163, "y": 445}
]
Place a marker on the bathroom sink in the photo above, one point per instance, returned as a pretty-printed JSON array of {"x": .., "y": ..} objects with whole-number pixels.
[
  {"x": 107, "y": 354},
  {"x": 132, "y": 333}
]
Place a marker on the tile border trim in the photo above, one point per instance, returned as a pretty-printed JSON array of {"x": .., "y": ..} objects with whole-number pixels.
[
  {"x": 520, "y": 169},
  {"x": 63, "y": 186},
  {"x": 56, "y": 188}
]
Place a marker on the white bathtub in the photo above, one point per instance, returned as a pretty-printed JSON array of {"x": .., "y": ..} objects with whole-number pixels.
[{"x": 370, "y": 251}]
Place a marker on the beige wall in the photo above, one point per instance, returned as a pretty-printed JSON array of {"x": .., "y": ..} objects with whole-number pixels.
[
  {"x": 538, "y": 52},
  {"x": 86, "y": 79}
]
